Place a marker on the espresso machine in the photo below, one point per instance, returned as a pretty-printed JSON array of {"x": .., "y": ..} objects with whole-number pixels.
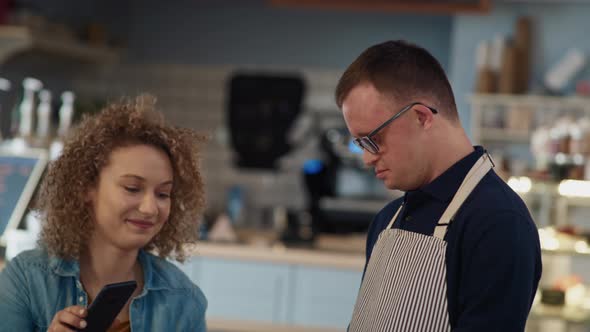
[
  {"x": 261, "y": 110},
  {"x": 343, "y": 194}
]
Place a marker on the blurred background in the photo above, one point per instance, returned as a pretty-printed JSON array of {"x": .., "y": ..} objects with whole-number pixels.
[{"x": 288, "y": 199}]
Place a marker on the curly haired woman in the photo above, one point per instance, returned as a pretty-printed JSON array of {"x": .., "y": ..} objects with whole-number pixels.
[{"x": 127, "y": 185}]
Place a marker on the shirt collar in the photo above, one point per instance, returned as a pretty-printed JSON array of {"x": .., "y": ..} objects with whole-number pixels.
[
  {"x": 64, "y": 267},
  {"x": 71, "y": 268},
  {"x": 444, "y": 187},
  {"x": 149, "y": 282}
]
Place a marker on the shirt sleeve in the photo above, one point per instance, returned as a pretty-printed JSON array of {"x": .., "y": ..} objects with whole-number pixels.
[
  {"x": 201, "y": 300},
  {"x": 500, "y": 270},
  {"x": 15, "y": 313}
]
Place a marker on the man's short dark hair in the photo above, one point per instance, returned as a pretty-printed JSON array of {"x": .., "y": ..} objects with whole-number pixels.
[{"x": 402, "y": 70}]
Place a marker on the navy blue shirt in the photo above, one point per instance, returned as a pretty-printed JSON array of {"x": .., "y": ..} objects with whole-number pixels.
[{"x": 493, "y": 255}]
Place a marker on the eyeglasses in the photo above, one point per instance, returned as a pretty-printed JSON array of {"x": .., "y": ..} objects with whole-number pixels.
[{"x": 368, "y": 144}]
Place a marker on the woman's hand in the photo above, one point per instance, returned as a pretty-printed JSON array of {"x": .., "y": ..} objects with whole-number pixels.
[{"x": 69, "y": 319}]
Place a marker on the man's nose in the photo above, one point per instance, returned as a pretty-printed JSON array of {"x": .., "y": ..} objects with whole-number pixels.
[{"x": 369, "y": 158}]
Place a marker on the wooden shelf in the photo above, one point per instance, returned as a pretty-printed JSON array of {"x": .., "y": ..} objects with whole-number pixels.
[
  {"x": 538, "y": 101},
  {"x": 582, "y": 202},
  {"x": 422, "y": 6},
  {"x": 568, "y": 314},
  {"x": 504, "y": 135},
  {"x": 18, "y": 39},
  {"x": 563, "y": 252}
]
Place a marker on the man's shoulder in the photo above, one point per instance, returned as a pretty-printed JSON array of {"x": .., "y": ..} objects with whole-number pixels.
[
  {"x": 494, "y": 208},
  {"x": 493, "y": 197}
]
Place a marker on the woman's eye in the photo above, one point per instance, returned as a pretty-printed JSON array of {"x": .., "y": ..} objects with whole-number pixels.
[
  {"x": 132, "y": 189},
  {"x": 164, "y": 195}
]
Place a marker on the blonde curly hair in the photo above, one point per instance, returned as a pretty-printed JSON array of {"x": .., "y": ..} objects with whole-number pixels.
[{"x": 68, "y": 217}]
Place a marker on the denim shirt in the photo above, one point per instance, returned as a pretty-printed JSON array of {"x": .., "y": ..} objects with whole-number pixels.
[{"x": 35, "y": 286}]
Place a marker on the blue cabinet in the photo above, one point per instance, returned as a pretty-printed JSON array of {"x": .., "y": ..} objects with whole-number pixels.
[
  {"x": 244, "y": 290},
  {"x": 281, "y": 293},
  {"x": 191, "y": 267},
  {"x": 323, "y": 296}
]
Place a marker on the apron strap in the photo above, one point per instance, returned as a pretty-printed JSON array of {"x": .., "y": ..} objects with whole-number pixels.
[
  {"x": 394, "y": 217},
  {"x": 477, "y": 172}
]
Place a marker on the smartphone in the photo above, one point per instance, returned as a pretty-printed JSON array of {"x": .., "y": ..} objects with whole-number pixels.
[{"x": 107, "y": 305}]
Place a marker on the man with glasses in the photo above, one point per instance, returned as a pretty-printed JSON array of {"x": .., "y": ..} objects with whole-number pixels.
[{"x": 460, "y": 250}]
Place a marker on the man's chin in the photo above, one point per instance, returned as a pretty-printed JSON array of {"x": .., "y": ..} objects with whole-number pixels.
[{"x": 389, "y": 184}]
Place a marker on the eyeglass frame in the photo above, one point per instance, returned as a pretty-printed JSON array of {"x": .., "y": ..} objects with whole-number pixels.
[{"x": 370, "y": 144}]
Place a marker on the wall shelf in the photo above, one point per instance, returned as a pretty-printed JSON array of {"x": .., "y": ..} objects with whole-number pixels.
[
  {"x": 506, "y": 120},
  {"x": 18, "y": 39},
  {"x": 573, "y": 315},
  {"x": 422, "y": 6},
  {"x": 503, "y": 135},
  {"x": 537, "y": 101}
]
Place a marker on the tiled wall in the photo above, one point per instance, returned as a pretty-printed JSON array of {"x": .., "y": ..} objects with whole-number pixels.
[{"x": 195, "y": 97}]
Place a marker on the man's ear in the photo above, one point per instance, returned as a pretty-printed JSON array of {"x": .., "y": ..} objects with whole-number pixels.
[{"x": 425, "y": 116}]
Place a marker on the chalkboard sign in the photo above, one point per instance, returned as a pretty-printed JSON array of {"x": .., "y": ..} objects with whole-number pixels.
[{"x": 19, "y": 175}]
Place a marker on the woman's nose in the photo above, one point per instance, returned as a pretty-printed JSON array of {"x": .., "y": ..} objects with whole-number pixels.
[{"x": 148, "y": 206}]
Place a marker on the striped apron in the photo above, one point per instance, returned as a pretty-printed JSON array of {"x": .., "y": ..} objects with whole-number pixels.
[{"x": 404, "y": 288}]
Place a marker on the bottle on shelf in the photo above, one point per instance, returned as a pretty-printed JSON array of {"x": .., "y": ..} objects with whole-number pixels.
[
  {"x": 541, "y": 147},
  {"x": 66, "y": 114},
  {"x": 43, "y": 118},
  {"x": 561, "y": 74},
  {"x": 486, "y": 76},
  {"x": 523, "y": 40},
  {"x": 25, "y": 114},
  {"x": 5, "y": 86},
  {"x": 27, "y": 106}
]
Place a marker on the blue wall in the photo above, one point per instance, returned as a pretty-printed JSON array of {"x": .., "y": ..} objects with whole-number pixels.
[
  {"x": 556, "y": 28},
  {"x": 245, "y": 31},
  {"x": 252, "y": 32}
]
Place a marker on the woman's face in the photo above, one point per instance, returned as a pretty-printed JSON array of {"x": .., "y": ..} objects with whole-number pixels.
[{"x": 131, "y": 201}]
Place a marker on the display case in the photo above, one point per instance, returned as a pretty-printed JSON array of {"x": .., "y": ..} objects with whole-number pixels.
[
  {"x": 512, "y": 118},
  {"x": 541, "y": 145}
]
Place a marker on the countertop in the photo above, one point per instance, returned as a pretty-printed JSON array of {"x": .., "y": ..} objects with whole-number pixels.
[
  {"x": 221, "y": 325},
  {"x": 341, "y": 252},
  {"x": 336, "y": 252}
]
